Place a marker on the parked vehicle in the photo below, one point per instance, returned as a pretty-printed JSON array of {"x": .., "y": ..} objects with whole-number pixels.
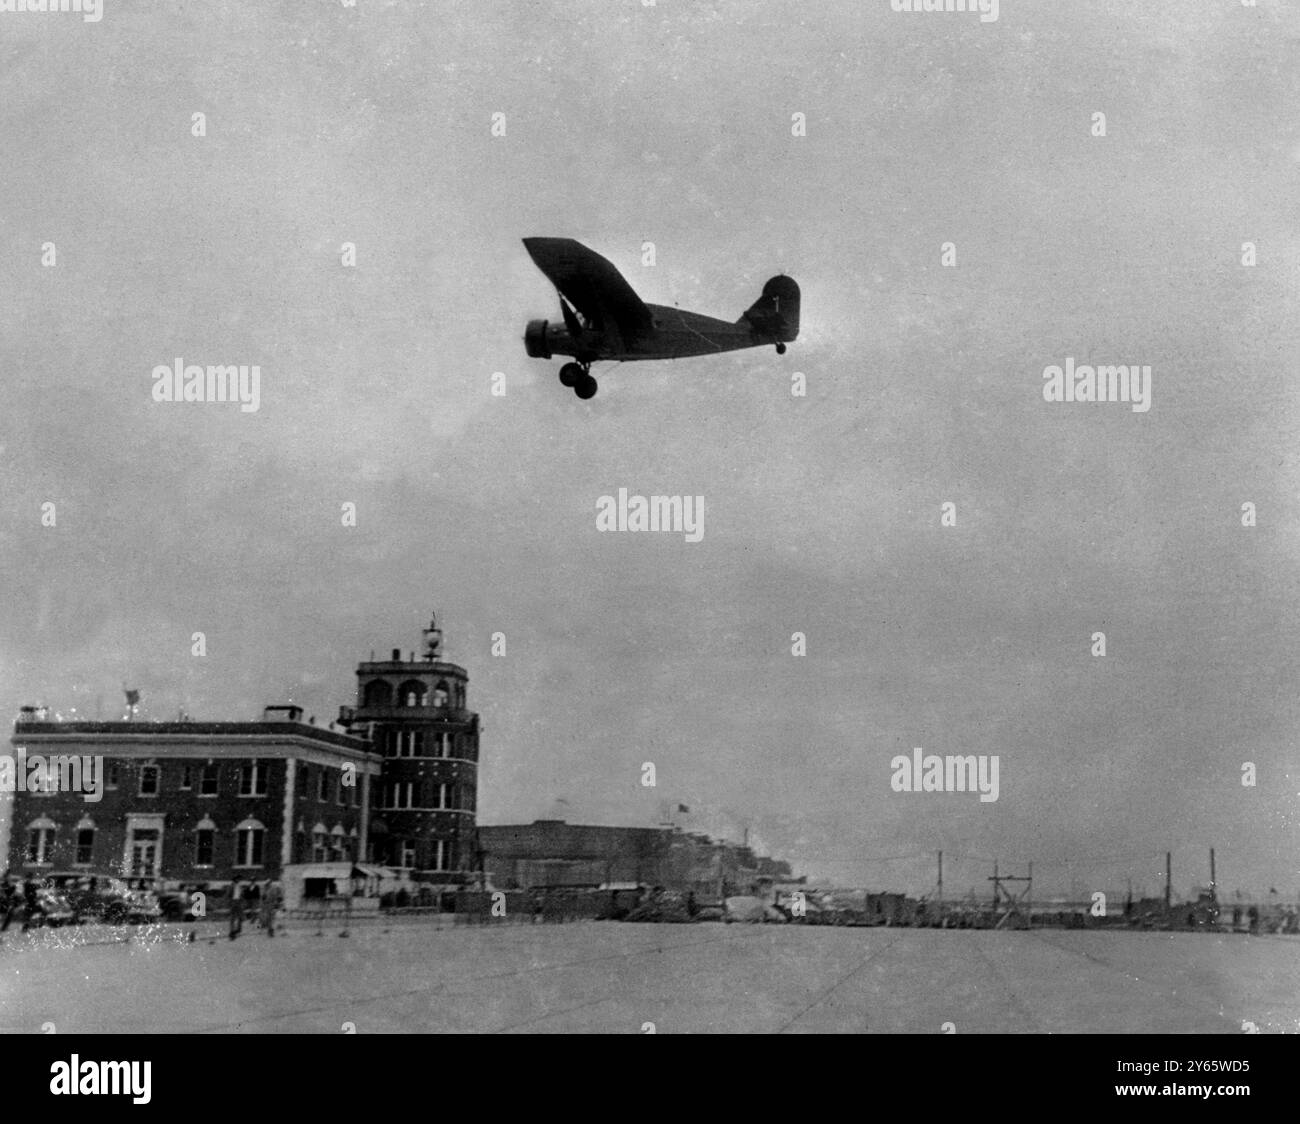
[
  {"x": 123, "y": 904},
  {"x": 54, "y": 909},
  {"x": 80, "y": 891}
]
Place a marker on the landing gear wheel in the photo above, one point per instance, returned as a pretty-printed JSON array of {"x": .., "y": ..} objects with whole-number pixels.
[
  {"x": 585, "y": 387},
  {"x": 570, "y": 373},
  {"x": 780, "y": 349}
]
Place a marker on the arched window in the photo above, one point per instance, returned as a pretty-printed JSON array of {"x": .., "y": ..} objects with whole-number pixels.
[
  {"x": 205, "y": 842},
  {"x": 412, "y": 693},
  {"x": 320, "y": 842},
  {"x": 85, "y": 841},
  {"x": 378, "y": 693},
  {"x": 250, "y": 840},
  {"x": 40, "y": 840},
  {"x": 440, "y": 693}
]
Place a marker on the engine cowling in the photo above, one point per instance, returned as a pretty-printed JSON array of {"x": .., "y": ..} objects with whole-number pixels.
[{"x": 535, "y": 342}]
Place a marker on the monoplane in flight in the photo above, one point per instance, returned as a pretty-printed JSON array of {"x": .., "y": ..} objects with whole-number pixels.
[{"x": 605, "y": 319}]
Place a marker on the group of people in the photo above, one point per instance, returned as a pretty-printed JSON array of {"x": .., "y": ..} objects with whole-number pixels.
[
  {"x": 246, "y": 899},
  {"x": 262, "y": 901}
]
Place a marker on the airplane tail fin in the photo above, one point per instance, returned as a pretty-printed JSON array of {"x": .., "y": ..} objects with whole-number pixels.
[{"x": 776, "y": 312}]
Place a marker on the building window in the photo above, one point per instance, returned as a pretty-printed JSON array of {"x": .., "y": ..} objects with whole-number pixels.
[
  {"x": 187, "y": 776},
  {"x": 319, "y": 843},
  {"x": 324, "y": 789},
  {"x": 205, "y": 839},
  {"x": 85, "y": 846},
  {"x": 249, "y": 839},
  {"x": 443, "y": 855},
  {"x": 111, "y": 782},
  {"x": 399, "y": 794},
  {"x": 208, "y": 782},
  {"x": 440, "y": 693},
  {"x": 414, "y": 744},
  {"x": 408, "y": 854},
  {"x": 412, "y": 693},
  {"x": 149, "y": 778},
  {"x": 378, "y": 693},
  {"x": 40, "y": 842},
  {"x": 338, "y": 845},
  {"x": 252, "y": 778},
  {"x": 304, "y": 781}
]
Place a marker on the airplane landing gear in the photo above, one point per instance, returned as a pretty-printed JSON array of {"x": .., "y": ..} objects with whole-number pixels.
[
  {"x": 578, "y": 376},
  {"x": 780, "y": 349}
]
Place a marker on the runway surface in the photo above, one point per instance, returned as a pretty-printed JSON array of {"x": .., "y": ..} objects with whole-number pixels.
[{"x": 618, "y": 978}]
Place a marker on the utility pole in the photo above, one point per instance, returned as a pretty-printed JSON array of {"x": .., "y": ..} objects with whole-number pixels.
[
  {"x": 1169, "y": 870},
  {"x": 941, "y": 887},
  {"x": 1029, "y": 898},
  {"x": 1015, "y": 903},
  {"x": 1214, "y": 894}
]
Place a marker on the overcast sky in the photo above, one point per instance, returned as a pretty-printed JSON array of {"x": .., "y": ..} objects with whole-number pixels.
[{"x": 672, "y": 123}]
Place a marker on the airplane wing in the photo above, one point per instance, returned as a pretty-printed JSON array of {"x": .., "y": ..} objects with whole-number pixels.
[{"x": 591, "y": 285}]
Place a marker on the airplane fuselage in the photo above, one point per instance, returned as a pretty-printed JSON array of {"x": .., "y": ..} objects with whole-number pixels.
[{"x": 676, "y": 335}]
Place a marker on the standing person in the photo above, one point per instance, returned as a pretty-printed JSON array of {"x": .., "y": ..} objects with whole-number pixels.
[
  {"x": 29, "y": 899},
  {"x": 236, "y": 907},
  {"x": 8, "y": 902},
  {"x": 270, "y": 903}
]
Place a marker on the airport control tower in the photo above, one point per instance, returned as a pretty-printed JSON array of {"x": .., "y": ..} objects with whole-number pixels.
[{"x": 422, "y": 813}]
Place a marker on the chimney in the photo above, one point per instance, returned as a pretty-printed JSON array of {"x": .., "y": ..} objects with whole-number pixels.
[{"x": 397, "y": 655}]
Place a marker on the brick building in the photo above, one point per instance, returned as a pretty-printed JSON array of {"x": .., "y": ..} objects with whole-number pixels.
[
  {"x": 203, "y": 801},
  {"x": 191, "y": 801}
]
